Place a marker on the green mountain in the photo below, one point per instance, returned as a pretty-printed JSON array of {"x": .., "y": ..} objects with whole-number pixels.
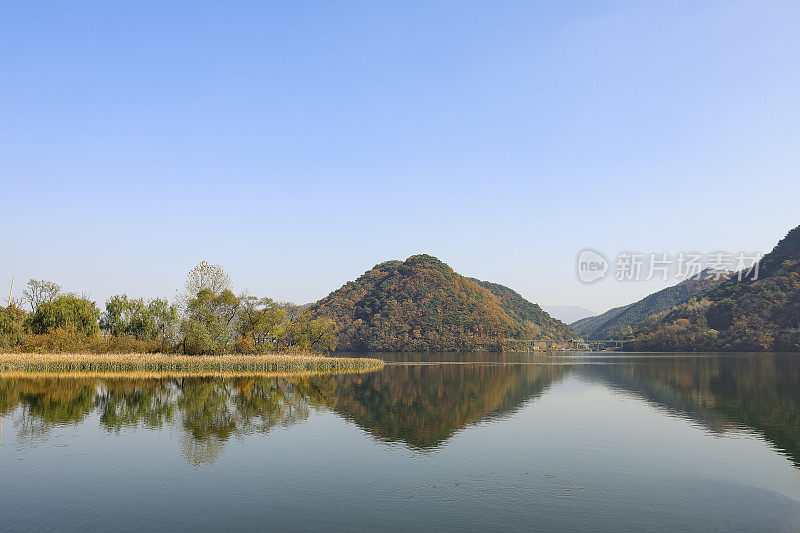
[
  {"x": 528, "y": 312},
  {"x": 421, "y": 304},
  {"x": 617, "y": 323},
  {"x": 746, "y": 315}
]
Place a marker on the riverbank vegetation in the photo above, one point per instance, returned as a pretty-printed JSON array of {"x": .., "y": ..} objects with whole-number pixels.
[
  {"x": 420, "y": 304},
  {"x": 206, "y": 319}
]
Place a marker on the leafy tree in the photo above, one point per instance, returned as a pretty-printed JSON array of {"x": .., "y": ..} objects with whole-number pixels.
[
  {"x": 209, "y": 324},
  {"x": 262, "y": 321},
  {"x": 12, "y": 326},
  {"x": 197, "y": 339},
  {"x": 311, "y": 334},
  {"x": 210, "y": 310},
  {"x": 163, "y": 317},
  {"x": 150, "y": 320},
  {"x": 68, "y": 312}
]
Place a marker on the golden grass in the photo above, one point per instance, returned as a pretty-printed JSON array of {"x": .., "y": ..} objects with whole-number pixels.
[
  {"x": 163, "y": 365},
  {"x": 138, "y": 374}
]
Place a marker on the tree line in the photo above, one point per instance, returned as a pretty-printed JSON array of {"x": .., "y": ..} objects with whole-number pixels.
[{"x": 207, "y": 318}]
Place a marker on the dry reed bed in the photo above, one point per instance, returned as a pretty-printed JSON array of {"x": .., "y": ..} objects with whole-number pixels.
[
  {"x": 164, "y": 365},
  {"x": 176, "y": 375}
]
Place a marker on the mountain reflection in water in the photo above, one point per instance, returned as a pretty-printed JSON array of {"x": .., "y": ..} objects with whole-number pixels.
[
  {"x": 759, "y": 392},
  {"x": 421, "y": 406}
]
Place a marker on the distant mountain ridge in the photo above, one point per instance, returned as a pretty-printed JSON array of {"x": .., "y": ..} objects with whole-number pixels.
[
  {"x": 736, "y": 315},
  {"x": 421, "y": 304},
  {"x": 616, "y": 323},
  {"x": 568, "y": 313}
]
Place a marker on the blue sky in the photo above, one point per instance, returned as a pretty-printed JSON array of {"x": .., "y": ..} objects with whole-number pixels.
[{"x": 299, "y": 143}]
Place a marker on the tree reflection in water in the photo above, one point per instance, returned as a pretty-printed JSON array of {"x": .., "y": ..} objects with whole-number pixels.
[
  {"x": 419, "y": 406},
  {"x": 208, "y": 410}
]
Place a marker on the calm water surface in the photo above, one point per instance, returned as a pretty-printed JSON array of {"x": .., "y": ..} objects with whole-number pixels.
[{"x": 434, "y": 441}]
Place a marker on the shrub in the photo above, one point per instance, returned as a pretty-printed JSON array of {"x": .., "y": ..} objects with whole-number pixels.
[
  {"x": 12, "y": 326},
  {"x": 245, "y": 345},
  {"x": 56, "y": 340},
  {"x": 66, "y": 312},
  {"x": 196, "y": 338},
  {"x": 71, "y": 340}
]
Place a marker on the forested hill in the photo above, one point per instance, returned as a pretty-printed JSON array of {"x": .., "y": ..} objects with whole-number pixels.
[
  {"x": 746, "y": 315},
  {"x": 616, "y": 323},
  {"x": 515, "y": 305},
  {"x": 421, "y": 304}
]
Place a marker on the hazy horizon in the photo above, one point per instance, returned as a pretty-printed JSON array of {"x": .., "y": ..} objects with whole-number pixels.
[{"x": 298, "y": 145}]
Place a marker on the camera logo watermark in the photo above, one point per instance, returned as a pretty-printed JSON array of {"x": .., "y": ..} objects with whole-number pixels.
[{"x": 592, "y": 266}]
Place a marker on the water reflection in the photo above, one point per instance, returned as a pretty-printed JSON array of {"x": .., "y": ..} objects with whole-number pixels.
[
  {"x": 421, "y": 406},
  {"x": 207, "y": 410},
  {"x": 44, "y": 404},
  {"x": 759, "y": 392}
]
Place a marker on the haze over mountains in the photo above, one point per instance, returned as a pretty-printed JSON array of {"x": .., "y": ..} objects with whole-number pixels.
[{"x": 568, "y": 313}]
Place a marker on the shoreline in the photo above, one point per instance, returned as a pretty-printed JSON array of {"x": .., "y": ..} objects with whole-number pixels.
[{"x": 164, "y": 365}]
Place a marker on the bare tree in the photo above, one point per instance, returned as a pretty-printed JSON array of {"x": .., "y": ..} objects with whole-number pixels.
[
  {"x": 206, "y": 276},
  {"x": 39, "y": 292}
]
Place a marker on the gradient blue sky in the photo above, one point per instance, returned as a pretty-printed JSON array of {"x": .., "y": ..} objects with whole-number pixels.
[{"x": 299, "y": 143}]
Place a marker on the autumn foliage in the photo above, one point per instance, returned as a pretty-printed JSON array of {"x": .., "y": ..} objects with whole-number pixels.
[
  {"x": 421, "y": 304},
  {"x": 736, "y": 315}
]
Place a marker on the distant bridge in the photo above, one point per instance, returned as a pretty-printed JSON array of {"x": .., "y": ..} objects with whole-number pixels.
[
  {"x": 606, "y": 344},
  {"x": 528, "y": 345}
]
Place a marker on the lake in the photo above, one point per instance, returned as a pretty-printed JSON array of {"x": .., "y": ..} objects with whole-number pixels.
[{"x": 501, "y": 442}]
